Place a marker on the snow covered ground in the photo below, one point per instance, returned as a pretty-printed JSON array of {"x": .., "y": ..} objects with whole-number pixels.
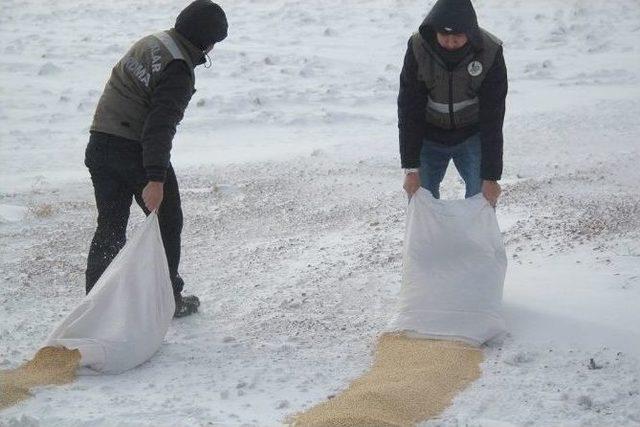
[{"x": 294, "y": 212}]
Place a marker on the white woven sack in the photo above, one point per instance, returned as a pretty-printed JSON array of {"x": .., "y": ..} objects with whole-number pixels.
[
  {"x": 125, "y": 317},
  {"x": 454, "y": 268}
]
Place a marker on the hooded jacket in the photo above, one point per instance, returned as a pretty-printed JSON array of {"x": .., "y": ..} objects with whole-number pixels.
[
  {"x": 151, "y": 86},
  {"x": 453, "y": 16}
]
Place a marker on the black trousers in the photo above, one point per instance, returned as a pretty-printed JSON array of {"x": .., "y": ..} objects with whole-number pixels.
[{"x": 115, "y": 165}]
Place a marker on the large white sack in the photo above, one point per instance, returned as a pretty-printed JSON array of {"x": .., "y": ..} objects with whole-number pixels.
[
  {"x": 454, "y": 268},
  {"x": 123, "y": 320}
]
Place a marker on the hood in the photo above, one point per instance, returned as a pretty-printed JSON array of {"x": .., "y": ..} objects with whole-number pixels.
[
  {"x": 203, "y": 23},
  {"x": 196, "y": 54},
  {"x": 455, "y": 16}
]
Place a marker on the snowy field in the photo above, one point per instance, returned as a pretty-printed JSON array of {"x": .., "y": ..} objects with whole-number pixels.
[{"x": 294, "y": 211}]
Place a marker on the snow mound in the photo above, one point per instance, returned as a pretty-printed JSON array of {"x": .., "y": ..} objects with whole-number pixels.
[
  {"x": 12, "y": 213},
  {"x": 49, "y": 69}
]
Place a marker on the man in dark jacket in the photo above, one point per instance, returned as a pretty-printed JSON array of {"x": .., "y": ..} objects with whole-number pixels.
[
  {"x": 128, "y": 154},
  {"x": 451, "y": 103}
]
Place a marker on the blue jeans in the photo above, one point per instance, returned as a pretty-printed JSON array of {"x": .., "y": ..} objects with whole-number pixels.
[{"x": 434, "y": 159}]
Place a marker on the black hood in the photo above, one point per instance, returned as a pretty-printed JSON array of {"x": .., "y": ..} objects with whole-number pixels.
[
  {"x": 452, "y": 16},
  {"x": 203, "y": 23}
]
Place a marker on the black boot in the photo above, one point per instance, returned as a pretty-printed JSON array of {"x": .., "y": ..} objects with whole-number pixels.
[{"x": 186, "y": 305}]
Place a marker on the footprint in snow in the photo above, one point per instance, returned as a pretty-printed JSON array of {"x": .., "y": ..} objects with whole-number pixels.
[{"x": 49, "y": 69}]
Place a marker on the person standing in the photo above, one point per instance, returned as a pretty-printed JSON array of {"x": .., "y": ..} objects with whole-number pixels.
[
  {"x": 451, "y": 102},
  {"x": 128, "y": 154}
]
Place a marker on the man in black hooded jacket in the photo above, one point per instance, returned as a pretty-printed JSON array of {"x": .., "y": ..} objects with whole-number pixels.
[
  {"x": 128, "y": 154},
  {"x": 451, "y": 103}
]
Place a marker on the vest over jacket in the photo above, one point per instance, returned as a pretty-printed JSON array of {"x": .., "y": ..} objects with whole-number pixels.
[
  {"x": 453, "y": 94},
  {"x": 126, "y": 100}
]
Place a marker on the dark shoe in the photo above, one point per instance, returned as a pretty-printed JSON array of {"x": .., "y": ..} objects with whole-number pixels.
[{"x": 186, "y": 305}]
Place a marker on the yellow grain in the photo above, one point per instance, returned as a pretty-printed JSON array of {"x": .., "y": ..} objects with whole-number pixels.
[{"x": 411, "y": 380}]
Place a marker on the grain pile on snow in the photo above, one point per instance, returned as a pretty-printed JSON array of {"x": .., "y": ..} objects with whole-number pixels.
[
  {"x": 51, "y": 365},
  {"x": 411, "y": 380}
]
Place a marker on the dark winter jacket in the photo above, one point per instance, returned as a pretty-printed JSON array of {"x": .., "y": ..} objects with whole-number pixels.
[
  {"x": 147, "y": 94},
  {"x": 452, "y": 16}
]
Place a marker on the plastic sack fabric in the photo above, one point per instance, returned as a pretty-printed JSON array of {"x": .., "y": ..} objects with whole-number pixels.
[
  {"x": 122, "y": 322},
  {"x": 454, "y": 268}
]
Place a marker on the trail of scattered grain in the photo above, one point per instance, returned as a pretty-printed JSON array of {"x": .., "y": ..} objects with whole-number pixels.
[
  {"x": 50, "y": 365},
  {"x": 411, "y": 380}
]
